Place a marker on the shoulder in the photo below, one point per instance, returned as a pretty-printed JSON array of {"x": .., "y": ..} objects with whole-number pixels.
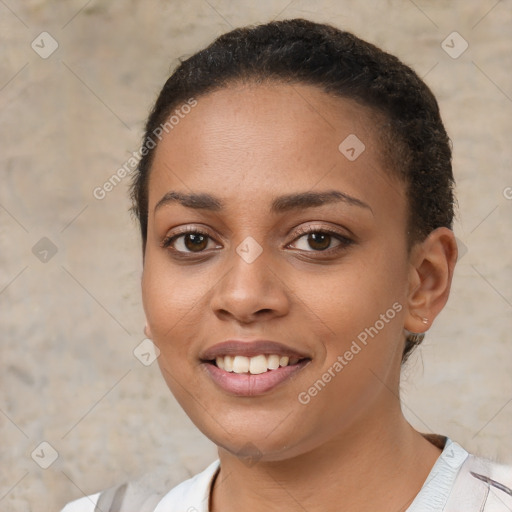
[
  {"x": 482, "y": 483},
  {"x": 462, "y": 482},
  {"x": 85, "y": 504},
  {"x": 192, "y": 494}
]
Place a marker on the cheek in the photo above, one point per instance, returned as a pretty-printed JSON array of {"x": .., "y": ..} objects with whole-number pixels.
[
  {"x": 358, "y": 316},
  {"x": 350, "y": 297},
  {"x": 169, "y": 292},
  {"x": 171, "y": 296}
]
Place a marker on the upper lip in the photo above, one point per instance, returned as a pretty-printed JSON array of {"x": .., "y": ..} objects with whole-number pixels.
[{"x": 249, "y": 348}]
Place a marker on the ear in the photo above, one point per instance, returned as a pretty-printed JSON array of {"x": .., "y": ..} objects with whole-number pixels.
[
  {"x": 147, "y": 331},
  {"x": 430, "y": 277}
]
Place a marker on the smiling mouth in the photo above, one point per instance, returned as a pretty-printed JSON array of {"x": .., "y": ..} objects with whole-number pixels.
[{"x": 256, "y": 365}]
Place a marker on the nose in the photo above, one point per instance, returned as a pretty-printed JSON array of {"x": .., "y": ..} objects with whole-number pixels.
[{"x": 250, "y": 292}]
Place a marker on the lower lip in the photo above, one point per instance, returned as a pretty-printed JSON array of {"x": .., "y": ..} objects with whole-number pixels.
[{"x": 244, "y": 384}]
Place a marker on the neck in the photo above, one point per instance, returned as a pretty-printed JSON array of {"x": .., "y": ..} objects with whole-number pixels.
[{"x": 377, "y": 465}]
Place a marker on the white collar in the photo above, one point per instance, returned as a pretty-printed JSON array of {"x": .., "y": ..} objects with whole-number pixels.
[
  {"x": 439, "y": 483},
  {"x": 192, "y": 495}
]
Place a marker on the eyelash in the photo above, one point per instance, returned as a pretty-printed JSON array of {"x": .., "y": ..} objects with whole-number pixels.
[{"x": 344, "y": 241}]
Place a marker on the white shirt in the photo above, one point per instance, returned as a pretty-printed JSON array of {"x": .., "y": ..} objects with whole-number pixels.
[{"x": 441, "y": 488}]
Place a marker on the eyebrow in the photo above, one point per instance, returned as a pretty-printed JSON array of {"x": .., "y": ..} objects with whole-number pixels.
[{"x": 279, "y": 205}]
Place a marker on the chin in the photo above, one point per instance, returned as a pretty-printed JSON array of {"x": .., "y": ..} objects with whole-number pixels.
[
  {"x": 256, "y": 450},
  {"x": 257, "y": 442}
]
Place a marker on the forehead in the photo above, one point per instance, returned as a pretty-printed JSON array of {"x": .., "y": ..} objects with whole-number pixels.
[{"x": 260, "y": 140}]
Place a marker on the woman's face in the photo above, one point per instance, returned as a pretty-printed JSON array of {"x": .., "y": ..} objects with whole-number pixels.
[{"x": 248, "y": 173}]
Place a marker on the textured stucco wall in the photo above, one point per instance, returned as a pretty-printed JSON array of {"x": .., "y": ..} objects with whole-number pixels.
[{"x": 69, "y": 325}]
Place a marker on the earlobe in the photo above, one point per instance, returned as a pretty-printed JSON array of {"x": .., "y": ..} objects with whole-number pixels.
[{"x": 432, "y": 265}]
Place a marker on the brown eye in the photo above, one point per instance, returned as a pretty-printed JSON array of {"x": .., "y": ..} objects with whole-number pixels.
[
  {"x": 316, "y": 240},
  {"x": 195, "y": 242},
  {"x": 188, "y": 242},
  {"x": 319, "y": 241}
]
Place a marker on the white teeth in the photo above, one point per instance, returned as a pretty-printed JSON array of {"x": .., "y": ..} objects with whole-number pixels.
[
  {"x": 228, "y": 363},
  {"x": 254, "y": 365},
  {"x": 258, "y": 364},
  {"x": 241, "y": 364},
  {"x": 273, "y": 362}
]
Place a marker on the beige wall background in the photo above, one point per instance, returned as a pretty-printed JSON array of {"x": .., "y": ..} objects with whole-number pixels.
[{"x": 70, "y": 306}]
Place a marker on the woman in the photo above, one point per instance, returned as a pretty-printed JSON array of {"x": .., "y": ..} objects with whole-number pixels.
[{"x": 295, "y": 202}]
